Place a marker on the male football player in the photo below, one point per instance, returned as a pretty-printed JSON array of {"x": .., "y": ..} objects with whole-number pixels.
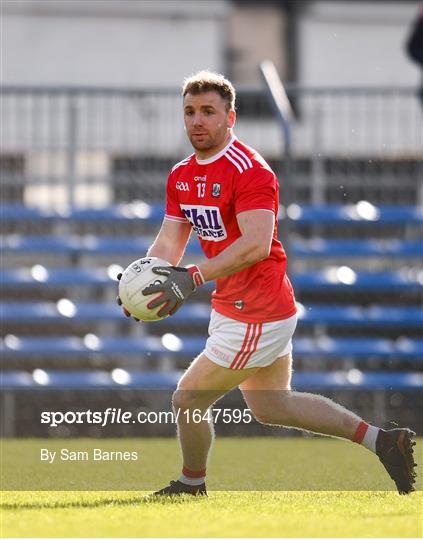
[{"x": 228, "y": 194}]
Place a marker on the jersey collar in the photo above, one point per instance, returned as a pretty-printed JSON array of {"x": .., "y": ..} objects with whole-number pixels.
[{"x": 216, "y": 156}]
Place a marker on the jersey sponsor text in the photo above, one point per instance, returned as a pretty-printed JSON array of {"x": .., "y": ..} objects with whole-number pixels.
[{"x": 206, "y": 221}]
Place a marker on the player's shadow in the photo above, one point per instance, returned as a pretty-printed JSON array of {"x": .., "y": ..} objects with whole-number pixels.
[{"x": 111, "y": 501}]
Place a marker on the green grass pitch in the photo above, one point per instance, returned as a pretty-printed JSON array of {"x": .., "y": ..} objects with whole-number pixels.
[{"x": 317, "y": 493}]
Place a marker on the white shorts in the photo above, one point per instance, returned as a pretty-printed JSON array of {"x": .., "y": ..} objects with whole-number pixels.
[{"x": 236, "y": 345}]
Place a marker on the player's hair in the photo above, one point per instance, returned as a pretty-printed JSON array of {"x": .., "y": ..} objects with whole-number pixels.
[{"x": 205, "y": 81}]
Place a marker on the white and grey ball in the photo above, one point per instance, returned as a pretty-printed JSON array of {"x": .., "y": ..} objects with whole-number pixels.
[{"x": 135, "y": 278}]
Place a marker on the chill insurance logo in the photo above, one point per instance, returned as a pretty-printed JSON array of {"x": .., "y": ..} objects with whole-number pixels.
[{"x": 206, "y": 221}]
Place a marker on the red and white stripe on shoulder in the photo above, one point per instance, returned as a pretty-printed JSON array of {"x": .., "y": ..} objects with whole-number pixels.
[
  {"x": 182, "y": 163},
  {"x": 239, "y": 158}
]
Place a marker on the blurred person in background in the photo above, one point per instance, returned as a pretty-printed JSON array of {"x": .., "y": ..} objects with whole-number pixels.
[
  {"x": 227, "y": 193},
  {"x": 415, "y": 45}
]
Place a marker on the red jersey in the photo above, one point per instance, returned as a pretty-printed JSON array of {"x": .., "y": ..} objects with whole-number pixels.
[{"x": 209, "y": 194}]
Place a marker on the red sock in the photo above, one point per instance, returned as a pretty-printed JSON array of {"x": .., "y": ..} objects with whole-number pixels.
[
  {"x": 192, "y": 478},
  {"x": 193, "y": 474},
  {"x": 360, "y": 432}
]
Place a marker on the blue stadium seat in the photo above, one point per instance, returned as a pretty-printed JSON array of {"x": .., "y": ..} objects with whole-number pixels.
[
  {"x": 89, "y": 379},
  {"x": 137, "y": 246},
  {"x": 16, "y": 243},
  {"x": 187, "y": 347},
  {"x": 339, "y": 315},
  {"x": 23, "y": 347},
  {"x": 20, "y": 212},
  {"x": 83, "y": 245},
  {"x": 350, "y": 213},
  {"x": 59, "y": 277},
  {"x": 16, "y": 380},
  {"x": 357, "y": 247},
  {"x": 303, "y": 214},
  {"x": 50, "y": 312},
  {"x": 359, "y": 348},
  {"x": 356, "y": 379},
  {"x": 330, "y": 279},
  {"x": 327, "y": 279},
  {"x": 152, "y": 213},
  {"x": 84, "y": 380},
  {"x": 198, "y": 314}
]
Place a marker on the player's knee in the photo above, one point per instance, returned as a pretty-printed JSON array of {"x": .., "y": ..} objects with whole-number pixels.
[
  {"x": 276, "y": 412},
  {"x": 261, "y": 416},
  {"x": 185, "y": 399},
  {"x": 271, "y": 418}
]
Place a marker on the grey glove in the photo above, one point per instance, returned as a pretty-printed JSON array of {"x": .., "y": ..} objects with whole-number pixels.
[{"x": 180, "y": 284}]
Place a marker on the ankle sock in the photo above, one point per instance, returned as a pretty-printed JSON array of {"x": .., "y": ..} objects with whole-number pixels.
[
  {"x": 192, "y": 478},
  {"x": 366, "y": 435}
]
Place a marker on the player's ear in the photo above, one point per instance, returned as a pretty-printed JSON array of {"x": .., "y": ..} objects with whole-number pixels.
[{"x": 231, "y": 118}]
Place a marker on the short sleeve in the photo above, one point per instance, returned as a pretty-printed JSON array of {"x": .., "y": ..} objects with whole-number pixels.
[
  {"x": 173, "y": 210},
  {"x": 257, "y": 189}
]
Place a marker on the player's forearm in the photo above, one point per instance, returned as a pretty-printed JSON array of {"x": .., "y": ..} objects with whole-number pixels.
[
  {"x": 170, "y": 242},
  {"x": 164, "y": 250},
  {"x": 243, "y": 253}
]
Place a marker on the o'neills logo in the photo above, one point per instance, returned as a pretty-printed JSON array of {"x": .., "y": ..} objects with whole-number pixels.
[{"x": 206, "y": 221}]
